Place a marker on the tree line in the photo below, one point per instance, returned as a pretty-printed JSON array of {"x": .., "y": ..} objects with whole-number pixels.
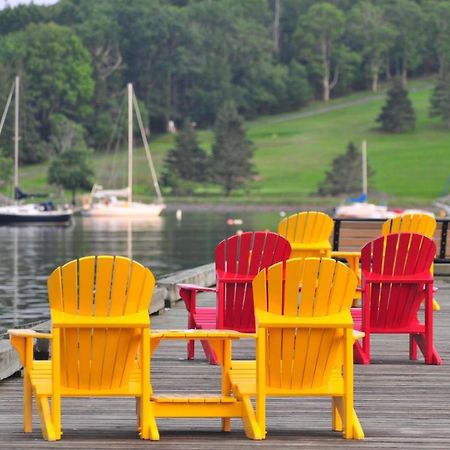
[{"x": 187, "y": 58}]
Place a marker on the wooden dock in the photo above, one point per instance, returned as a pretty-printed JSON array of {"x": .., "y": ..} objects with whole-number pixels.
[{"x": 401, "y": 404}]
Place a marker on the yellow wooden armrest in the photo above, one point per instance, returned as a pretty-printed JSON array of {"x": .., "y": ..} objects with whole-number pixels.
[
  {"x": 139, "y": 319},
  {"x": 270, "y": 320},
  {"x": 200, "y": 334},
  {"x": 22, "y": 341},
  {"x": 25, "y": 333},
  {"x": 358, "y": 334}
]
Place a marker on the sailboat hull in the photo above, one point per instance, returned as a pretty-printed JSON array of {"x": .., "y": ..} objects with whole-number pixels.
[
  {"x": 32, "y": 214},
  {"x": 123, "y": 209}
]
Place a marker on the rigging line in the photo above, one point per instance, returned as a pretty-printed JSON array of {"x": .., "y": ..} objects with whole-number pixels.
[
  {"x": 108, "y": 170},
  {"x": 8, "y": 102},
  {"x": 116, "y": 126},
  {"x": 147, "y": 149}
]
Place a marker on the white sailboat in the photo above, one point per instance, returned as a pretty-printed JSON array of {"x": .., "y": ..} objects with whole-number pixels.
[
  {"x": 116, "y": 203},
  {"x": 30, "y": 212}
]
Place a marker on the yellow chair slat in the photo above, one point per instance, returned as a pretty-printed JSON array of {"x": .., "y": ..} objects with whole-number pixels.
[{"x": 118, "y": 293}]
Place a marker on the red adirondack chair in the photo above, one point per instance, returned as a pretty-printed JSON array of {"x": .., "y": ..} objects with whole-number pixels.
[
  {"x": 396, "y": 279},
  {"x": 238, "y": 259}
]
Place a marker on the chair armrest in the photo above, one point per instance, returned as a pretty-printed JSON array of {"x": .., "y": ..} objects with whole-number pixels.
[
  {"x": 188, "y": 293},
  {"x": 22, "y": 341},
  {"x": 270, "y": 320},
  {"x": 195, "y": 287},
  {"x": 26, "y": 333},
  {"x": 358, "y": 334}
]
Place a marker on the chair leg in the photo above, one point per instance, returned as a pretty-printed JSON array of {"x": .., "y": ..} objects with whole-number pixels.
[
  {"x": 47, "y": 424},
  {"x": 209, "y": 353},
  {"x": 412, "y": 348},
  {"x": 190, "y": 344},
  {"x": 27, "y": 404},
  {"x": 336, "y": 407},
  {"x": 191, "y": 349},
  {"x": 253, "y": 429},
  {"x": 226, "y": 424},
  {"x": 359, "y": 355},
  {"x": 138, "y": 414},
  {"x": 428, "y": 350},
  {"x": 436, "y": 305},
  {"x": 149, "y": 428},
  {"x": 355, "y": 430},
  {"x": 358, "y": 432}
]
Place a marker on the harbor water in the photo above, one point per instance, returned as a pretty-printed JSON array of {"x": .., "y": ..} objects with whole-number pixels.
[{"x": 166, "y": 244}]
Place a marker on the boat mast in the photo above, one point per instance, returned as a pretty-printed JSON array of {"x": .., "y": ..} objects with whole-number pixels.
[
  {"x": 130, "y": 143},
  {"x": 364, "y": 167},
  {"x": 16, "y": 137}
]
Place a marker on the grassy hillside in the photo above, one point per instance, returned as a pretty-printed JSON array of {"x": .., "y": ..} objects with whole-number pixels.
[
  {"x": 294, "y": 151},
  {"x": 294, "y": 154}
]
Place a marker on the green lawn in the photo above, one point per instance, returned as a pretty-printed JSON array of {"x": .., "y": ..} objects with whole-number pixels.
[{"x": 293, "y": 153}]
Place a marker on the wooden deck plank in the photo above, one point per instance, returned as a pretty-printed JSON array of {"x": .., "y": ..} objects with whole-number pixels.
[{"x": 401, "y": 404}]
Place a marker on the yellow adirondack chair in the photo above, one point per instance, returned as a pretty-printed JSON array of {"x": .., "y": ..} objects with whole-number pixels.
[
  {"x": 410, "y": 223},
  {"x": 100, "y": 344},
  {"x": 308, "y": 232},
  {"x": 304, "y": 342},
  {"x": 406, "y": 223}
]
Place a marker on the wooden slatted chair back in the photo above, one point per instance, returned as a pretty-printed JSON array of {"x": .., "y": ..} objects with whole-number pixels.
[
  {"x": 307, "y": 227},
  {"x": 242, "y": 257},
  {"x": 394, "y": 304},
  {"x": 303, "y": 358},
  {"x": 107, "y": 287},
  {"x": 410, "y": 223}
]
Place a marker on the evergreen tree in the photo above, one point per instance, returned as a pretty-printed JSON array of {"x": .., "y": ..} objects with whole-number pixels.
[
  {"x": 345, "y": 176},
  {"x": 232, "y": 151},
  {"x": 440, "y": 100},
  {"x": 186, "y": 164},
  {"x": 398, "y": 114}
]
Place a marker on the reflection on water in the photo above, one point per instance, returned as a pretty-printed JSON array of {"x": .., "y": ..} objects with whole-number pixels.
[{"x": 164, "y": 244}]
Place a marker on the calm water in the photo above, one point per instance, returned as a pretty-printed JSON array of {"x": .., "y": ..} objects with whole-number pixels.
[{"x": 29, "y": 253}]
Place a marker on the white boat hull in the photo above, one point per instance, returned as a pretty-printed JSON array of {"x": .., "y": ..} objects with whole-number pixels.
[{"x": 123, "y": 209}]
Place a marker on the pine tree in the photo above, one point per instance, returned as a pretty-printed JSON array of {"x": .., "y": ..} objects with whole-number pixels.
[
  {"x": 440, "y": 100},
  {"x": 345, "y": 176},
  {"x": 186, "y": 164},
  {"x": 398, "y": 114},
  {"x": 232, "y": 151}
]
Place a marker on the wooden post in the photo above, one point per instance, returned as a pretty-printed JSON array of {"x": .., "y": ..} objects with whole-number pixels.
[{"x": 364, "y": 167}]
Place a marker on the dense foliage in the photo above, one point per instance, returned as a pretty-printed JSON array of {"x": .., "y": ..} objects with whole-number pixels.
[{"x": 186, "y": 58}]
